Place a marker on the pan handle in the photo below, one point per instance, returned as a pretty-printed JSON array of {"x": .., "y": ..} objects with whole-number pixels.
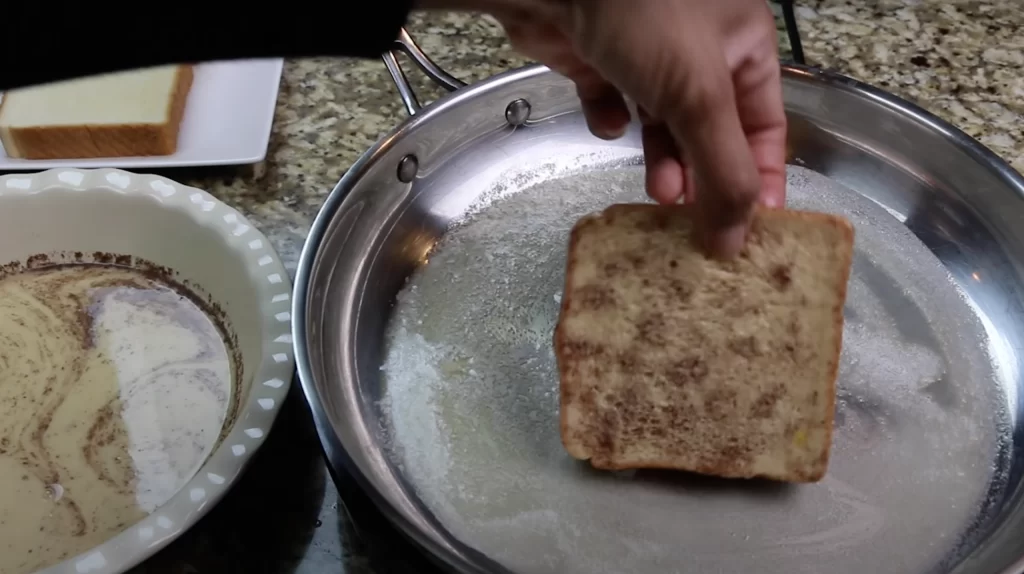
[{"x": 406, "y": 45}]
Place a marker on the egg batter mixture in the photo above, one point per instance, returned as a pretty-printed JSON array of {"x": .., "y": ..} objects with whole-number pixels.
[{"x": 113, "y": 391}]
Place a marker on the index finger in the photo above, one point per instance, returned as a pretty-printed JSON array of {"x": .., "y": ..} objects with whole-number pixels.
[
  {"x": 759, "y": 103},
  {"x": 706, "y": 122}
]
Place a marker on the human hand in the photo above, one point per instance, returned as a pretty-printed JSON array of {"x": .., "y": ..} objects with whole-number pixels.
[{"x": 705, "y": 76}]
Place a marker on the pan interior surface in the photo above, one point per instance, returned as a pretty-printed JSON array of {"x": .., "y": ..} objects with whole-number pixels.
[{"x": 471, "y": 410}]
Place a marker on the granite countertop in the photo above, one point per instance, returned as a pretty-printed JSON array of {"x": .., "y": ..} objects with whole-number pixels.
[{"x": 960, "y": 59}]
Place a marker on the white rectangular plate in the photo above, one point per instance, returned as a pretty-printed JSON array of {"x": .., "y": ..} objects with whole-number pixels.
[{"x": 227, "y": 121}]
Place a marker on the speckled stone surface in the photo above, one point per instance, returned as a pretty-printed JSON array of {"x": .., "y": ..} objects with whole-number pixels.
[
  {"x": 962, "y": 60},
  {"x": 959, "y": 59}
]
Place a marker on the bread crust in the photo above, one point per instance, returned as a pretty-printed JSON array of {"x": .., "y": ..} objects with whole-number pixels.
[
  {"x": 846, "y": 229},
  {"x": 107, "y": 140},
  {"x": 570, "y": 381},
  {"x": 561, "y": 361}
]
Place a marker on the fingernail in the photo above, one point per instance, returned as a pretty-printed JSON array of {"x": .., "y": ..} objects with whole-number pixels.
[
  {"x": 729, "y": 242},
  {"x": 770, "y": 201},
  {"x": 607, "y": 133}
]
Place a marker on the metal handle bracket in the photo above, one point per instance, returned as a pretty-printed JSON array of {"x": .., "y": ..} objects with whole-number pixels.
[{"x": 406, "y": 45}]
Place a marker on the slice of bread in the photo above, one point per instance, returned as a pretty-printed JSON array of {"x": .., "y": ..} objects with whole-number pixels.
[
  {"x": 670, "y": 359},
  {"x": 136, "y": 113}
]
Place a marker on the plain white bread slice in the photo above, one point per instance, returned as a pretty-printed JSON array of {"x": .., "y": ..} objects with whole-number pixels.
[{"x": 136, "y": 113}]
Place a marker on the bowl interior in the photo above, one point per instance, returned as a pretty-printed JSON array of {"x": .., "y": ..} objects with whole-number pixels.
[
  {"x": 104, "y": 221},
  {"x": 220, "y": 260}
]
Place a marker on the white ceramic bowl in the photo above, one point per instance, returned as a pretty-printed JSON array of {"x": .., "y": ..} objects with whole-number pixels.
[{"x": 211, "y": 247}]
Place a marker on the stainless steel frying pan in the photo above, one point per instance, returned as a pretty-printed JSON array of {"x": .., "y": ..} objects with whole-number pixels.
[{"x": 432, "y": 383}]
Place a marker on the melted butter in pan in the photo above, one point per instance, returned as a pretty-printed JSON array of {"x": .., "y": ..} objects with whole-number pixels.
[{"x": 113, "y": 391}]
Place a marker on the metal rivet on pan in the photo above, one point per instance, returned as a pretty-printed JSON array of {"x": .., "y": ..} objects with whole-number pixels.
[
  {"x": 407, "y": 168},
  {"x": 517, "y": 112}
]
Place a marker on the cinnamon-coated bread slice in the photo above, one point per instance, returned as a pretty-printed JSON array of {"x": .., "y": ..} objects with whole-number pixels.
[{"x": 671, "y": 359}]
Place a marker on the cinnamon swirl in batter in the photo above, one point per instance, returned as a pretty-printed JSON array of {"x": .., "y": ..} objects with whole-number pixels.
[{"x": 113, "y": 391}]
